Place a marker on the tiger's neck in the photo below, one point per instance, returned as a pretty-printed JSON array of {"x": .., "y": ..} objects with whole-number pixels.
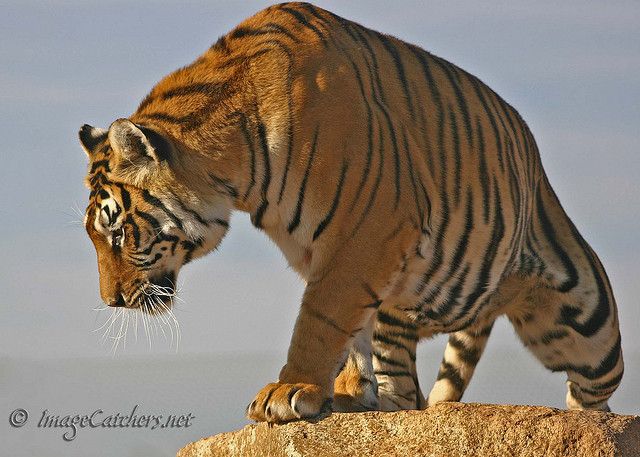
[{"x": 235, "y": 150}]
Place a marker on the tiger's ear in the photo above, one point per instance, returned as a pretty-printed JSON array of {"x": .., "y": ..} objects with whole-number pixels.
[
  {"x": 90, "y": 137},
  {"x": 136, "y": 143}
]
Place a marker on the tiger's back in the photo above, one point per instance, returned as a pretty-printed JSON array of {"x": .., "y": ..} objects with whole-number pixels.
[{"x": 408, "y": 195}]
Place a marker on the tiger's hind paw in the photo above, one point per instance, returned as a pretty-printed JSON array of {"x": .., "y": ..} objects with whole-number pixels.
[{"x": 354, "y": 392}]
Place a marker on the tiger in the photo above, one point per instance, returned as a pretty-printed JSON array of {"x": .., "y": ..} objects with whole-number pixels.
[{"x": 407, "y": 194}]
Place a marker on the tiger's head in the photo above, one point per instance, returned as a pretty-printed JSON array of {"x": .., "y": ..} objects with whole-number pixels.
[{"x": 144, "y": 220}]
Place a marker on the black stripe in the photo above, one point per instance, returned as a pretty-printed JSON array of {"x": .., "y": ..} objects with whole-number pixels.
[
  {"x": 457, "y": 159},
  {"x": 330, "y": 322},
  {"x": 155, "y": 224},
  {"x": 387, "y": 360},
  {"x": 374, "y": 191},
  {"x": 606, "y": 365},
  {"x": 379, "y": 337},
  {"x": 551, "y": 236},
  {"x": 449, "y": 71},
  {"x": 298, "y": 16},
  {"x": 148, "y": 263},
  {"x": 483, "y": 279},
  {"x": 427, "y": 225},
  {"x": 221, "y": 222},
  {"x": 382, "y": 107},
  {"x": 269, "y": 28},
  {"x": 290, "y": 109},
  {"x": 405, "y": 143},
  {"x": 97, "y": 180},
  {"x": 450, "y": 300},
  {"x": 507, "y": 109},
  {"x": 221, "y": 45},
  {"x": 207, "y": 89},
  {"x": 514, "y": 187},
  {"x": 265, "y": 402},
  {"x": 194, "y": 119},
  {"x": 438, "y": 255},
  {"x": 334, "y": 205},
  {"x": 134, "y": 228},
  {"x": 421, "y": 56},
  {"x": 370, "y": 291},
  {"x": 470, "y": 356},
  {"x": 463, "y": 241},
  {"x": 394, "y": 374},
  {"x": 477, "y": 86},
  {"x": 448, "y": 371},
  {"x": 161, "y": 145},
  {"x": 140, "y": 254},
  {"x": 295, "y": 221},
  {"x": 126, "y": 197},
  {"x": 602, "y": 311},
  {"x": 367, "y": 166},
  {"x": 193, "y": 213},
  {"x": 375, "y": 305},
  {"x": 252, "y": 153},
  {"x": 377, "y": 302},
  {"x": 266, "y": 180},
  {"x": 483, "y": 173},
  {"x": 409, "y": 336},
  {"x": 373, "y": 69},
  {"x": 155, "y": 201},
  {"x": 189, "y": 247},
  {"x": 613, "y": 382},
  {"x": 100, "y": 163},
  {"x": 397, "y": 60},
  {"x": 327, "y": 24},
  {"x": 390, "y": 320}
]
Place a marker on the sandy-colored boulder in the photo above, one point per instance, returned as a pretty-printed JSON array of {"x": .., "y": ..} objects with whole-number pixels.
[{"x": 446, "y": 429}]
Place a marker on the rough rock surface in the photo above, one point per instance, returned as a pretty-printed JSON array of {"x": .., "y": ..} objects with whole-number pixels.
[{"x": 446, "y": 429}]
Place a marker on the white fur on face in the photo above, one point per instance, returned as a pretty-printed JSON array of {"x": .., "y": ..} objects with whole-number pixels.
[{"x": 109, "y": 217}]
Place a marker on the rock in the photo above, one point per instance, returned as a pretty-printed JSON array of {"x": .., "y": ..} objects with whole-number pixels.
[{"x": 446, "y": 429}]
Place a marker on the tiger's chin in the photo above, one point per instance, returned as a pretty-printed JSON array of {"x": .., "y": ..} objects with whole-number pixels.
[
  {"x": 155, "y": 303},
  {"x": 156, "y": 296}
]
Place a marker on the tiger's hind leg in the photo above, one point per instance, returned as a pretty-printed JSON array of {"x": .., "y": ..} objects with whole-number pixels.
[
  {"x": 593, "y": 361},
  {"x": 567, "y": 315},
  {"x": 355, "y": 387},
  {"x": 461, "y": 356},
  {"x": 394, "y": 360},
  {"x": 380, "y": 370}
]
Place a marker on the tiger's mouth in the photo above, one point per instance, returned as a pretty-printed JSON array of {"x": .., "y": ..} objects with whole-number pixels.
[
  {"x": 150, "y": 305},
  {"x": 155, "y": 296}
]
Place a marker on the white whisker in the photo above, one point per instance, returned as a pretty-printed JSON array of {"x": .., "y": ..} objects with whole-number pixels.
[
  {"x": 164, "y": 307},
  {"x": 135, "y": 328},
  {"x": 108, "y": 321}
]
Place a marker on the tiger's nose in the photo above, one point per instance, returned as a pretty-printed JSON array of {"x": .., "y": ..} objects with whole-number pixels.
[{"x": 117, "y": 301}]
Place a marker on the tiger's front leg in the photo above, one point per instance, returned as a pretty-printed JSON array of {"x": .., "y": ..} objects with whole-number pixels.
[{"x": 333, "y": 312}]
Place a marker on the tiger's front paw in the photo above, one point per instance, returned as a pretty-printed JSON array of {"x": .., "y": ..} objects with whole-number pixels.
[{"x": 280, "y": 402}]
